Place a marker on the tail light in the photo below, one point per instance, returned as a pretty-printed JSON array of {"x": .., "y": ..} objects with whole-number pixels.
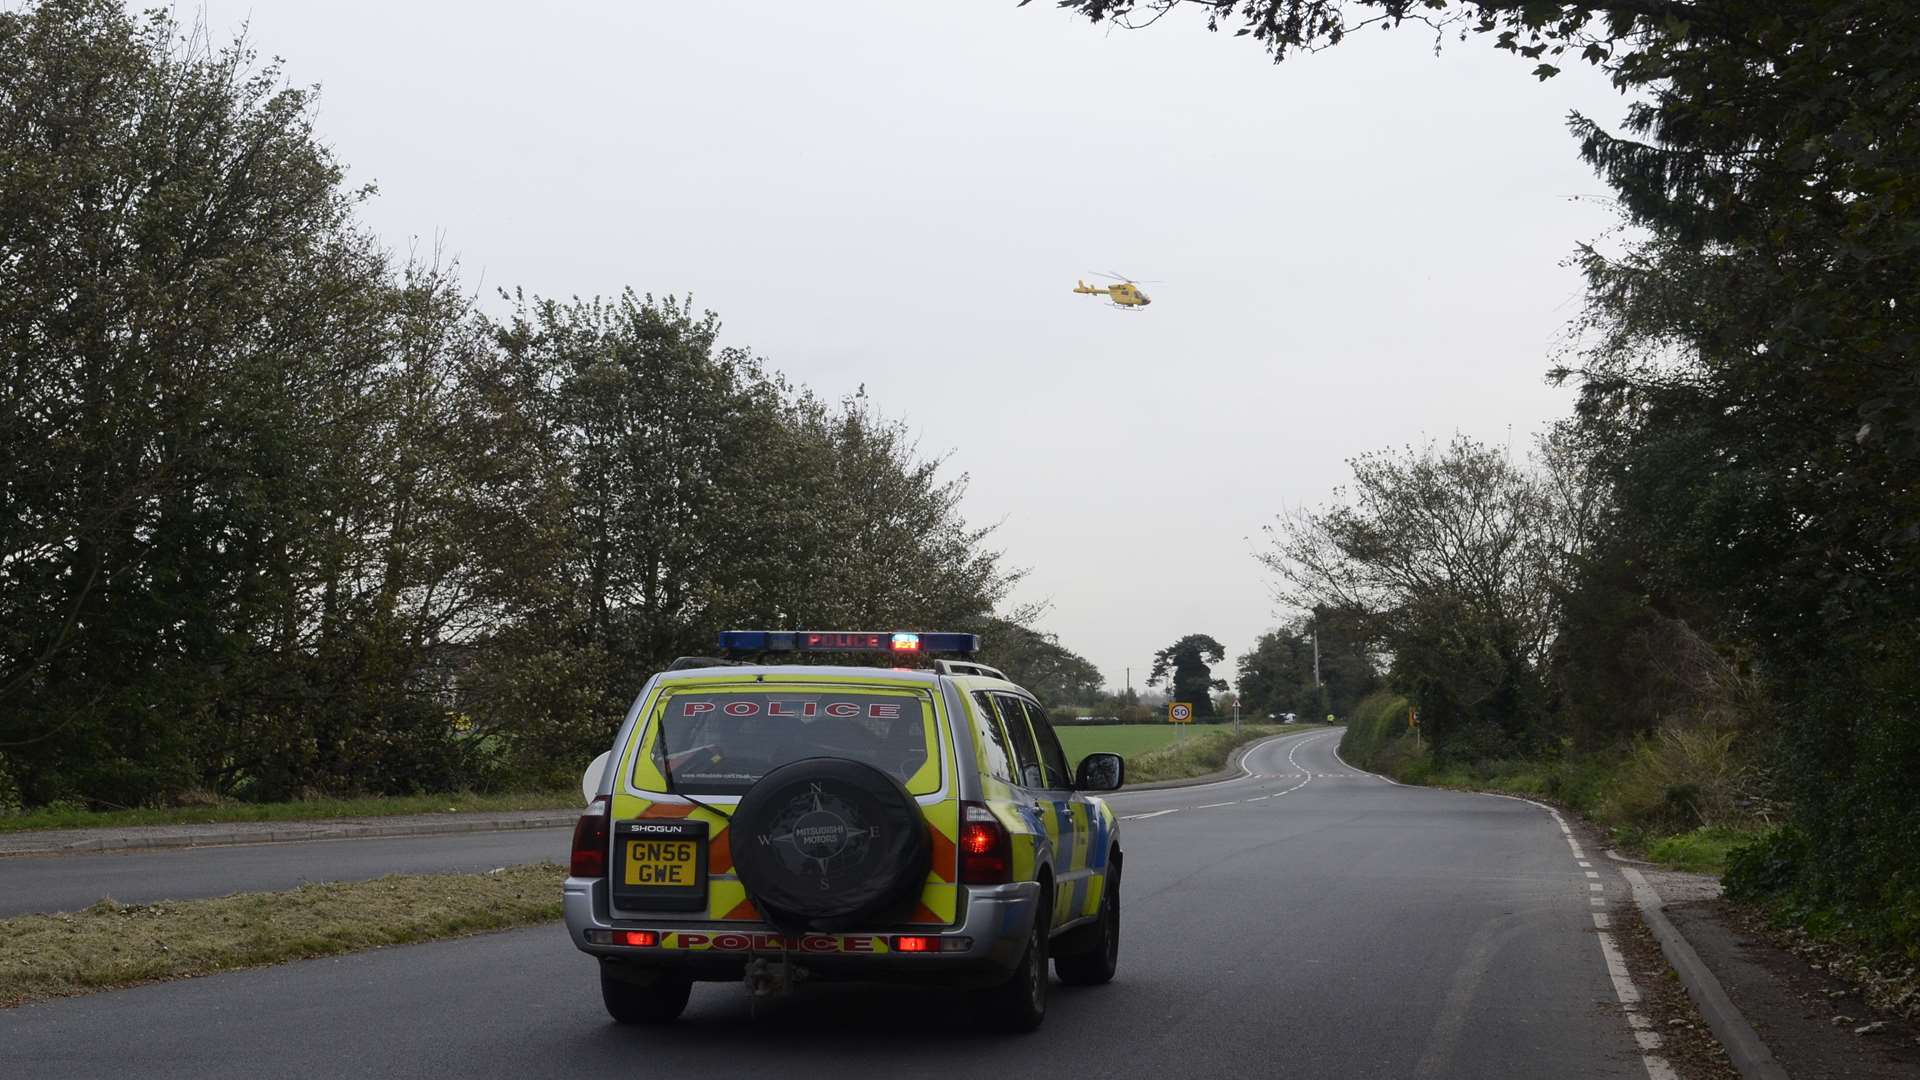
[
  {"x": 986, "y": 851},
  {"x": 591, "y": 839}
]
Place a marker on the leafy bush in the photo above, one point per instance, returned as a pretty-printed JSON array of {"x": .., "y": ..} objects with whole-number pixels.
[
  {"x": 1679, "y": 778},
  {"x": 1376, "y": 721}
]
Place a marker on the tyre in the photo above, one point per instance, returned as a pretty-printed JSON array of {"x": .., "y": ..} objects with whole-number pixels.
[
  {"x": 830, "y": 844},
  {"x": 1095, "y": 963},
  {"x": 649, "y": 1000},
  {"x": 1020, "y": 1003}
]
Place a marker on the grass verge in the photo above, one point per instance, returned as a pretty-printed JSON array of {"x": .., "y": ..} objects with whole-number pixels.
[
  {"x": 112, "y": 944},
  {"x": 300, "y": 810},
  {"x": 1202, "y": 751},
  {"x": 1127, "y": 740},
  {"x": 1703, "y": 850}
]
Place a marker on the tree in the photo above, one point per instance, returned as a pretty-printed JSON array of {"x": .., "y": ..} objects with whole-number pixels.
[
  {"x": 1186, "y": 661},
  {"x": 1276, "y": 675},
  {"x": 1449, "y": 558},
  {"x": 665, "y": 531},
  {"x": 278, "y": 513},
  {"x": 194, "y": 335}
]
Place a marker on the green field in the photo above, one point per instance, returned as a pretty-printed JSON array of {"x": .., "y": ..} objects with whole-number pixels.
[{"x": 1123, "y": 739}]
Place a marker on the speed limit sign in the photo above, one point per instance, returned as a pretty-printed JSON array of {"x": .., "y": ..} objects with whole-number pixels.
[{"x": 1179, "y": 712}]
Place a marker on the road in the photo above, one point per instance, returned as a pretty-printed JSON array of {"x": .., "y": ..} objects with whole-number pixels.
[
  {"x": 1308, "y": 920},
  {"x": 70, "y": 882}
]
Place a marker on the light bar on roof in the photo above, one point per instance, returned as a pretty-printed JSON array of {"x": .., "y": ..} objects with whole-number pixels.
[{"x": 847, "y": 641}]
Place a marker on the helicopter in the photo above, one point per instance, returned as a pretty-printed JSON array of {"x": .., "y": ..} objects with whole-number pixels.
[{"x": 1125, "y": 293}]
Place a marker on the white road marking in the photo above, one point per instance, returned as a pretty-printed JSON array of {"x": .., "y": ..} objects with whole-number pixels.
[
  {"x": 1629, "y": 995},
  {"x": 1596, "y": 886},
  {"x": 1211, "y": 805},
  {"x": 1593, "y": 873},
  {"x": 1585, "y": 864},
  {"x": 1602, "y": 921},
  {"x": 1143, "y": 817}
]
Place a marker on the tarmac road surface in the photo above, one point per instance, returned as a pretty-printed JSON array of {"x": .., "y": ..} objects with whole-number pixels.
[{"x": 1307, "y": 920}]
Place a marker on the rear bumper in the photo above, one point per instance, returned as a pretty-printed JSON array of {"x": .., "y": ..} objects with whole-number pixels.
[{"x": 983, "y": 949}]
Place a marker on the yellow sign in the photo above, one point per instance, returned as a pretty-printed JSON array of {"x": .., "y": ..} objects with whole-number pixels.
[{"x": 1179, "y": 712}]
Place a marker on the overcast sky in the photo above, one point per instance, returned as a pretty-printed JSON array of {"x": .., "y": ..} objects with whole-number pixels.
[{"x": 1360, "y": 248}]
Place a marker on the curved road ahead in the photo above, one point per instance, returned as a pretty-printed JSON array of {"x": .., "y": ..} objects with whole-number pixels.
[{"x": 1307, "y": 920}]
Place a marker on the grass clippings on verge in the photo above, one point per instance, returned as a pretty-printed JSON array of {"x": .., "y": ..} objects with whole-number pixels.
[{"x": 112, "y": 944}]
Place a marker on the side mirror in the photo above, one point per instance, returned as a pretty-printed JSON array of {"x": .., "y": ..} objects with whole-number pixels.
[
  {"x": 590, "y": 780},
  {"x": 1100, "y": 772}
]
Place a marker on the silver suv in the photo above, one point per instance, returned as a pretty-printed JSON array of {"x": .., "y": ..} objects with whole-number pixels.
[{"x": 774, "y": 821}]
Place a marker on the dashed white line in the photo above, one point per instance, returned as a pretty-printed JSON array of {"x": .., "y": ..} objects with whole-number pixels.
[
  {"x": 1143, "y": 817},
  {"x": 1211, "y": 805}
]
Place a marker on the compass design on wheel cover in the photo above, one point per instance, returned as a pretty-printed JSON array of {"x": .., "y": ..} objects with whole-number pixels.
[{"x": 818, "y": 833}]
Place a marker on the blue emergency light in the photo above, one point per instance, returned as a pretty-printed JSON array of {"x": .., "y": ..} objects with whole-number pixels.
[{"x": 829, "y": 641}]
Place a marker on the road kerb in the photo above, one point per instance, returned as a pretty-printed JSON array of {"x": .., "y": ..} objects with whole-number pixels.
[{"x": 1743, "y": 1044}]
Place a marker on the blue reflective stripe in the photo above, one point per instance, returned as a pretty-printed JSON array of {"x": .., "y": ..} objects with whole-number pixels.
[
  {"x": 1063, "y": 816},
  {"x": 1097, "y": 855}
]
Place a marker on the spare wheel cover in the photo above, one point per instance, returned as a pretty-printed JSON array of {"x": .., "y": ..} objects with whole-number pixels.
[{"x": 824, "y": 843}]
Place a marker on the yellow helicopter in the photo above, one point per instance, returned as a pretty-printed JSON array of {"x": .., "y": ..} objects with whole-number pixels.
[{"x": 1125, "y": 293}]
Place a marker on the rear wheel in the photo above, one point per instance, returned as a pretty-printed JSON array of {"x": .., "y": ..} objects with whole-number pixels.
[
  {"x": 1095, "y": 964},
  {"x": 650, "y": 998},
  {"x": 1020, "y": 1003}
]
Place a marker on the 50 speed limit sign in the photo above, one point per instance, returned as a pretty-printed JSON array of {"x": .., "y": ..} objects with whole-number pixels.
[{"x": 1179, "y": 712}]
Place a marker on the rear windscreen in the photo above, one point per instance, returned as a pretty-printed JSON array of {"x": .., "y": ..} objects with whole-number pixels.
[{"x": 720, "y": 742}]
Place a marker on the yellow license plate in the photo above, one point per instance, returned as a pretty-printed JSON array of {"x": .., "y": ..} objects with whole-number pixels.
[{"x": 662, "y": 862}]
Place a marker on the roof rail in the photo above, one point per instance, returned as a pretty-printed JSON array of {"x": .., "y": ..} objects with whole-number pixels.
[
  {"x": 968, "y": 667},
  {"x": 684, "y": 663}
]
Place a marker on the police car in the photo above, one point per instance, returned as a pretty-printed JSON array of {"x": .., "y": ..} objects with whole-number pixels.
[{"x": 774, "y": 821}]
